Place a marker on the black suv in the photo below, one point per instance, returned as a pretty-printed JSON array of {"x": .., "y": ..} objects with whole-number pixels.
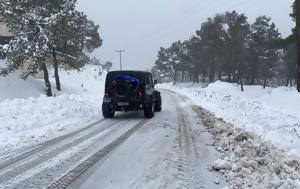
[{"x": 130, "y": 91}]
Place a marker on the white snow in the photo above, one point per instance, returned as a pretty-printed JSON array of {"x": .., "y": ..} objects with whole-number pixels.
[
  {"x": 86, "y": 81},
  {"x": 158, "y": 156},
  {"x": 247, "y": 161},
  {"x": 34, "y": 119},
  {"x": 27, "y": 116},
  {"x": 13, "y": 87},
  {"x": 272, "y": 113}
]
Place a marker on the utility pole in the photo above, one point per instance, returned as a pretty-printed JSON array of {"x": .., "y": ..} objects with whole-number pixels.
[
  {"x": 120, "y": 52},
  {"x": 298, "y": 42}
]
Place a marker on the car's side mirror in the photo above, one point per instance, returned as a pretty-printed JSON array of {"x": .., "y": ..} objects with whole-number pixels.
[{"x": 155, "y": 82}]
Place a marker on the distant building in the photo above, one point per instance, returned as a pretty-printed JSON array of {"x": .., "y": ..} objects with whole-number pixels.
[{"x": 5, "y": 34}]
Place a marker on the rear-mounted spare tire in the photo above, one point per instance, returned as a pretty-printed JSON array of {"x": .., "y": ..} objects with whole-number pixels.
[
  {"x": 122, "y": 89},
  {"x": 124, "y": 86}
]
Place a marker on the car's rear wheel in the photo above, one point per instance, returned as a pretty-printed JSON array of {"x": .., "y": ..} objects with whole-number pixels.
[
  {"x": 149, "y": 111},
  {"x": 157, "y": 106},
  {"x": 107, "y": 111}
]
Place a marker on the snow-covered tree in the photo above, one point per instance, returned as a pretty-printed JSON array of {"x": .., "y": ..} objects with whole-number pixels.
[
  {"x": 169, "y": 60},
  {"x": 237, "y": 31},
  {"x": 107, "y": 66},
  {"x": 198, "y": 57},
  {"x": 263, "y": 35},
  {"x": 44, "y": 29},
  {"x": 212, "y": 36},
  {"x": 226, "y": 46},
  {"x": 71, "y": 36}
]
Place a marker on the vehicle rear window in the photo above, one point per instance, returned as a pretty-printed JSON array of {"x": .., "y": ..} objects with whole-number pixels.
[{"x": 141, "y": 76}]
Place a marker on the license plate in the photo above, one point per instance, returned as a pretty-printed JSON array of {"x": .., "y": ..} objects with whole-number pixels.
[
  {"x": 107, "y": 100},
  {"x": 123, "y": 103}
]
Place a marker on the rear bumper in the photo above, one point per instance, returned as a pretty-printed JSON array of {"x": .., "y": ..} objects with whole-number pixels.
[{"x": 125, "y": 105}]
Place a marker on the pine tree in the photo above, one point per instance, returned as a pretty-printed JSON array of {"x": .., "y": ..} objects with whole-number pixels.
[
  {"x": 169, "y": 61},
  {"x": 263, "y": 35},
  {"x": 290, "y": 60},
  {"x": 237, "y": 31},
  {"x": 199, "y": 58},
  {"x": 257, "y": 44},
  {"x": 227, "y": 45},
  {"x": 45, "y": 29},
  {"x": 212, "y": 36},
  {"x": 71, "y": 36}
]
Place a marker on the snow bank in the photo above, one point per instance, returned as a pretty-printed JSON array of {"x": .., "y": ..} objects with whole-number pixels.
[
  {"x": 32, "y": 120},
  {"x": 247, "y": 160},
  {"x": 272, "y": 113},
  {"x": 87, "y": 82},
  {"x": 28, "y": 117},
  {"x": 13, "y": 87}
]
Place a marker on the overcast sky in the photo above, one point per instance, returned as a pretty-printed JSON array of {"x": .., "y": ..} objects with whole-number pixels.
[{"x": 141, "y": 27}]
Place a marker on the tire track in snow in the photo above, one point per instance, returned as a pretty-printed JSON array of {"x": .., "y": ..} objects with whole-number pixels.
[
  {"x": 72, "y": 175},
  {"x": 51, "y": 150},
  {"x": 20, "y": 154},
  {"x": 184, "y": 155},
  {"x": 187, "y": 150}
]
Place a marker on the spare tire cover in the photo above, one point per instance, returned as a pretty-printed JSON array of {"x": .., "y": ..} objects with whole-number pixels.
[{"x": 125, "y": 85}]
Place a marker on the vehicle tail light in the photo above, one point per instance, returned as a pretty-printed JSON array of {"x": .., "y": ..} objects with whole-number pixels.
[
  {"x": 107, "y": 94},
  {"x": 140, "y": 94}
]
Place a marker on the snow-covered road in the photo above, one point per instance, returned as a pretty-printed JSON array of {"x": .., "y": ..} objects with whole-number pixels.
[
  {"x": 184, "y": 146},
  {"x": 171, "y": 150}
]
